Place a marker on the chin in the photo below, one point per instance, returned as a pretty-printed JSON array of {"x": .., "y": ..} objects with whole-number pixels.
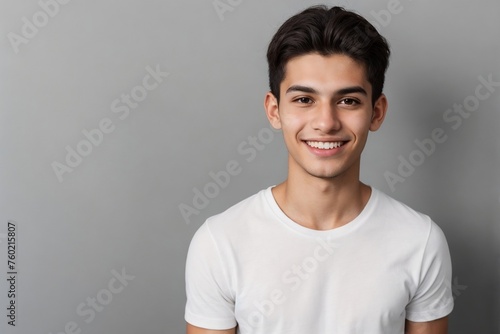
[{"x": 324, "y": 174}]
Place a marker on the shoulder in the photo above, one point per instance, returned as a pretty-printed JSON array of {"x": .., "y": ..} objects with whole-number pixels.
[
  {"x": 242, "y": 207},
  {"x": 251, "y": 211},
  {"x": 394, "y": 210},
  {"x": 408, "y": 234},
  {"x": 399, "y": 218}
]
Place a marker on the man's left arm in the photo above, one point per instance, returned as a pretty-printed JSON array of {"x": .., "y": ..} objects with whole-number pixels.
[
  {"x": 438, "y": 326},
  {"x": 428, "y": 310}
]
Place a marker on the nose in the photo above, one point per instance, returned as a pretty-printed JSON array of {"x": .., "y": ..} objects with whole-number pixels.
[{"x": 326, "y": 119}]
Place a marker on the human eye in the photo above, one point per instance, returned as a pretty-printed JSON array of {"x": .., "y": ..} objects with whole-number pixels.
[
  {"x": 348, "y": 101},
  {"x": 303, "y": 100}
]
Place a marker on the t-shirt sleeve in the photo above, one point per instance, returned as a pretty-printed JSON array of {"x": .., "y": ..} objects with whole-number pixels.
[
  {"x": 433, "y": 298},
  {"x": 210, "y": 303}
]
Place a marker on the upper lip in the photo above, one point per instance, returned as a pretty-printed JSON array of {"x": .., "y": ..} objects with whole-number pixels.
[{"x": 326, "y": 140}]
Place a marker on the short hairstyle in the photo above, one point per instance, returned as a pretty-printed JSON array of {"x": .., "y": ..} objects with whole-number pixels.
[{"x": 329, "y": 31}]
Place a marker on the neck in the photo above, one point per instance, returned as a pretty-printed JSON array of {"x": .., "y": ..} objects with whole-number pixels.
[{"x": 322, "y": 203}]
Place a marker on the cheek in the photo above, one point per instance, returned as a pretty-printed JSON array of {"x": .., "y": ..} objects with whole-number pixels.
[
  {"x": 291, "y": 124},
  {"x": 357, "y": 123}
]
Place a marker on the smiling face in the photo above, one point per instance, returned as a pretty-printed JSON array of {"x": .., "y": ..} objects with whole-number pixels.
[{"x": 325, "y": 112}]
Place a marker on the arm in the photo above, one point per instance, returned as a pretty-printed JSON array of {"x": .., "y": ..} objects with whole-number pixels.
[
  {"x": 190, "y": 329},
  {"x": 434, "y": 296},
  {"x": 210, "y": 302},
  {"x": 438, "y": 326}
]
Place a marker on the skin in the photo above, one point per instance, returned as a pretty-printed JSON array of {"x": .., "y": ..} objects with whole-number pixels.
[
  {"x": 190, "y": 329},
  {"x": 326, "y": 99},
  {"x": 438, "y": 326}
]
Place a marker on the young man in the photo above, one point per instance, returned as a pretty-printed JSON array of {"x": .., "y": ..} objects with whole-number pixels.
[{"x": 321, "y": 252}]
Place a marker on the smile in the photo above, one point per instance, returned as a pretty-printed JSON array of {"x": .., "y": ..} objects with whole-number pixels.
[{"x": 325, "y": 145}]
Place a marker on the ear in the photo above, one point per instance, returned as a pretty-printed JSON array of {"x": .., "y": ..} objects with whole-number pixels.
[
  {"x": 272, "y": 110},
  {"x": 378, "y": 113}
]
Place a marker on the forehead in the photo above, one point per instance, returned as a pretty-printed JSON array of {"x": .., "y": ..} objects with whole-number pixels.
[{"x": 331, "y": 72}]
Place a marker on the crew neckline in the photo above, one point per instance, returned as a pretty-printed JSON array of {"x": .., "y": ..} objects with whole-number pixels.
[{"x": 354, "y": 224}]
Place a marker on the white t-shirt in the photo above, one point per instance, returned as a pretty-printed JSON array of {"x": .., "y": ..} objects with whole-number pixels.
[{"x": 254, "y": 267}]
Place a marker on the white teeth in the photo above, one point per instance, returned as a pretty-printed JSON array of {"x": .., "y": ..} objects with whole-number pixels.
[{"x": 324, "y": 145}]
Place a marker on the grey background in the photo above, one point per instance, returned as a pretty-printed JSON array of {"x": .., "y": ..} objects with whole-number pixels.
[{"x": 119, "y": 208}]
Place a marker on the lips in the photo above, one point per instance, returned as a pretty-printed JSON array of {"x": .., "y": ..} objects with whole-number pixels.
[{"x": 324, "y": 145}]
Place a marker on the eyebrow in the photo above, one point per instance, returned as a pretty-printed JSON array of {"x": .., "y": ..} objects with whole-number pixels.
[{"x": 342, "y": 91}]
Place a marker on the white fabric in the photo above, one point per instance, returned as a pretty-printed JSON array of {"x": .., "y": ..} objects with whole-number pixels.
[{"x": 253, "y": 266}]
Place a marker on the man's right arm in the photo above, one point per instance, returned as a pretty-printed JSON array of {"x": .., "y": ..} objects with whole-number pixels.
[
  {"x": 190, "y": 329},
  {"x": 210, "y": 301}
]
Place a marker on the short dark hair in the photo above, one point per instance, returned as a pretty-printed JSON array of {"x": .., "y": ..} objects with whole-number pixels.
[{"x": 329, "y": 31}]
